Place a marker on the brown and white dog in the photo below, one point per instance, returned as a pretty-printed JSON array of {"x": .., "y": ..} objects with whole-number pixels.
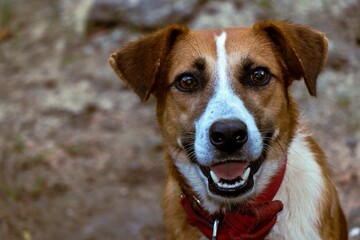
[{"x": 240, "y": 163}]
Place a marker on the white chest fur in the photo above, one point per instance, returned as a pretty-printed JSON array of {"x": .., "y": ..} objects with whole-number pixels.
[{"x": 300, "y": 193}]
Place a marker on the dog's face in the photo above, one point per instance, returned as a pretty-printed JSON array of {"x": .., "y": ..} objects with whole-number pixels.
[
  {"x": 225, "y": 111},
  {"x": 223, "y": 104}
]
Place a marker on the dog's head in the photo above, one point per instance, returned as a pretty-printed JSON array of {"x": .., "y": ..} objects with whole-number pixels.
[{"x": 223, "y": 104}]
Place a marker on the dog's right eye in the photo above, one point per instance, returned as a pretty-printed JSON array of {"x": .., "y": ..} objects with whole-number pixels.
[{"x": 186, "y": 83}]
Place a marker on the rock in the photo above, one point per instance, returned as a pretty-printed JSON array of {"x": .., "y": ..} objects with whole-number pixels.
[
  {"x": 142, "y": 14},
  {"x": 354, "y": 232},
  {"x": 71, "y": 98},
  {"x": 74, "y": 14},
  {"x": 338, "y": 58},
  {"x": 352, "y": 143},
  {"x": 218, "y": 14}
]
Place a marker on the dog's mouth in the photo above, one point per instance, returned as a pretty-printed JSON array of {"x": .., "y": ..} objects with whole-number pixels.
[{"x": 231, "y": 178}]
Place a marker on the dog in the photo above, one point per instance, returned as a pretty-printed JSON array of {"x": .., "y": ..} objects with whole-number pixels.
[{"x": 240, "y": 163}]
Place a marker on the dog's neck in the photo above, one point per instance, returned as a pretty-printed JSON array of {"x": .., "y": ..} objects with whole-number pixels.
[{"x": 253, "y": 221}]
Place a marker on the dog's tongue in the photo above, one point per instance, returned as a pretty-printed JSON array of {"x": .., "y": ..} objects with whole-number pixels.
[{"x": 229, "y": 171}]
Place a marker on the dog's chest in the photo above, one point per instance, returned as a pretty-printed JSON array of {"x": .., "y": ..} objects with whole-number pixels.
[{"x": 300, "y": 193}]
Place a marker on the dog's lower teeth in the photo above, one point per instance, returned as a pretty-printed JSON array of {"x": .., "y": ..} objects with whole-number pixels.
[
  {"x": 228, "y": 186},
  {"x": 240, "y": 182}
]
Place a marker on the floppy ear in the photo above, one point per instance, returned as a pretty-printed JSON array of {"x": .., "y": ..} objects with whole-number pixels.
[
  {"x": 139, "y": 62},
  {"x": 304, "y": 50}
]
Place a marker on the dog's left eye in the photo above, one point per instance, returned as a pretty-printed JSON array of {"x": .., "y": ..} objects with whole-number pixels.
[
  {"x": 260, "y": 76},
  {"x": 186, "y": 83}
]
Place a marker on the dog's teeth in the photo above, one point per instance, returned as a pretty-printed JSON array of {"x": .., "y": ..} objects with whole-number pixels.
[
  {"x": 214, "y": 177},
  {"x": 246, "y": 174},
  {"x": 242, "y": 182},
  {"x": 235, "y": 185},
  {"x": 224, "y": 185}
]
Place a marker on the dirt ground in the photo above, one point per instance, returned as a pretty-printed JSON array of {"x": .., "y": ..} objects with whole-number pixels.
[{"x": 81, "y": 157}]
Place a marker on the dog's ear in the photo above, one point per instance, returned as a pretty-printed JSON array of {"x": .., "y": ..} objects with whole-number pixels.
[
  {"x": 139, "y": 62},
  {"x": 304, "y": 50}
]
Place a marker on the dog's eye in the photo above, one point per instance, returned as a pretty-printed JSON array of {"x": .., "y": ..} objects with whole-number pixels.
[
  {"x": 186, "y": 83},
  {"x": 260, "y": 76}
]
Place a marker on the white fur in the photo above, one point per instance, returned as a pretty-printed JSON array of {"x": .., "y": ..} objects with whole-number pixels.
[
  {"x": 225, "y": 104},
  {"x": 198, "y": 183},
  {"x": 300, "y": 193}
]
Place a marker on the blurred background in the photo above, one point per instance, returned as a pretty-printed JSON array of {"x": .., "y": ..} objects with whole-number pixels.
[{"x": 80, "y": 157}]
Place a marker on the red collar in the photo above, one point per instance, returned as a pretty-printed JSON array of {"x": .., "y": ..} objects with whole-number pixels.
[{"x": 252, "y": 222}]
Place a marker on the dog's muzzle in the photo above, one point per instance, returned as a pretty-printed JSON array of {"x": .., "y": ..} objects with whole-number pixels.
[{"x": 230, "y": 171}]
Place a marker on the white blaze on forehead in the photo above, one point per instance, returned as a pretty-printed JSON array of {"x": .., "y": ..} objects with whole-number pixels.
[
  {"x": 224, "y": 104},
  {"x": 221, "y": 64}
]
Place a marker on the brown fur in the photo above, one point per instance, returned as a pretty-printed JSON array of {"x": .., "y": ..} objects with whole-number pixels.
[{"x": 292, "y": 52}]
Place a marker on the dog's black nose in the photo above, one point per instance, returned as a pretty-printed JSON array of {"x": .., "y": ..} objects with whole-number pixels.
[{"x": 228, "y": 135}]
